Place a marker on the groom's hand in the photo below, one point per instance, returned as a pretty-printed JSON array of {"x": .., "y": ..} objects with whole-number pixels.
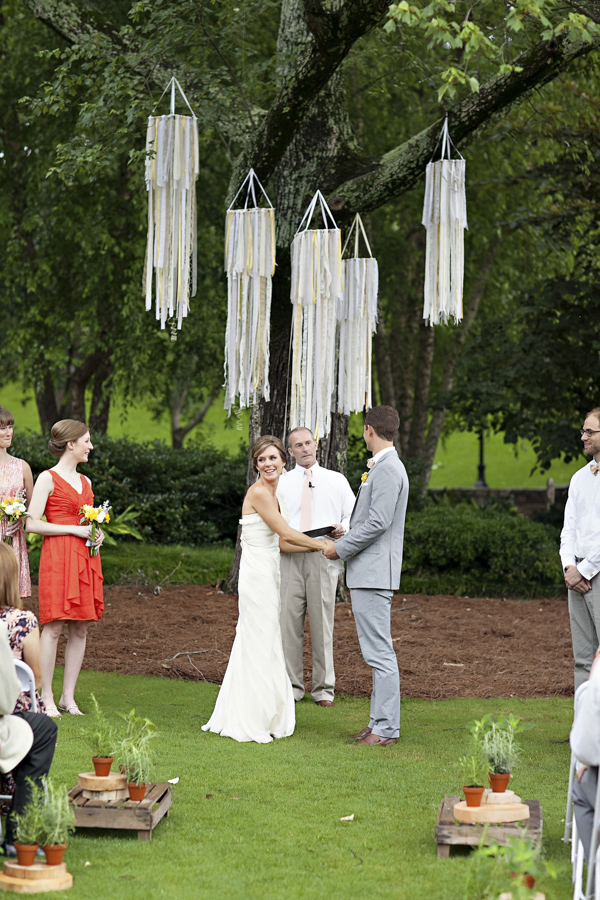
[{"x": 329, "y": 550}]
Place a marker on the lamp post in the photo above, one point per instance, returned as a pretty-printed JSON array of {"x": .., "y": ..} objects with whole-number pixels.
[{"x": 481, "y": 482}]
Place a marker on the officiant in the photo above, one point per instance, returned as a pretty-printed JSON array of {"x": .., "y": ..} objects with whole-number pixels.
[{"x": 315, "y": 499}]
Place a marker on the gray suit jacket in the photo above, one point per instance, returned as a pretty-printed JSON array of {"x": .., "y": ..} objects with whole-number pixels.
[{"x": 373, "y": 546}]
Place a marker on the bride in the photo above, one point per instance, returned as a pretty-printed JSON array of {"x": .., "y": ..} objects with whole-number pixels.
[{"x": 256, "y": 702}]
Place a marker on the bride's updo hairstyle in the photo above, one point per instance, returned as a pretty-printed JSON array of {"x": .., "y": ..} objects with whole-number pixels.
[
  {"x": 64, "y": 431},
  {"x": 267, "y": 440}
]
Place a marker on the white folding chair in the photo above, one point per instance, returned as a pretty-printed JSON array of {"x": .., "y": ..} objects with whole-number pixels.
[{"x": 27, "y": 679}]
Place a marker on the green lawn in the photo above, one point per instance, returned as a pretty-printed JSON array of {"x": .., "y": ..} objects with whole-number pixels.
[{"x": 271, "y": 825}]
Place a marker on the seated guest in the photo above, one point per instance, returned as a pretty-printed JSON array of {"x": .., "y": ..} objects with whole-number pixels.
[
  {"x": 22, "y": 625},
  {"x": 585, "y": 744},
  {"x": 27, "y": 740}
]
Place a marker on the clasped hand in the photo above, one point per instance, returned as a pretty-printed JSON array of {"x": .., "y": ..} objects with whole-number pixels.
[
  {"x": 13, "y": 526},
  {"x": 329, "y": 550},
  {"x": 85, "y": 531},
  {"x": 575, "y": 581}
]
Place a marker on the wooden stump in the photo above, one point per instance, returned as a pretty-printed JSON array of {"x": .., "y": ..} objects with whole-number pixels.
[
  {"x": 448, "y": 832},
  {"x": 35, "y": 879},
  {"x": 103, "y": 787}
]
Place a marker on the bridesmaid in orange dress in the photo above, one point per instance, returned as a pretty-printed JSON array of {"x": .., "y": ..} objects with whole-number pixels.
[
  {"x": 15, "y": 479},
  {"x": 70, "y": 579}
]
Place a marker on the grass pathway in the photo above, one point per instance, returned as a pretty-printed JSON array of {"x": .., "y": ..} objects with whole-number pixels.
[{"x": 271, "y": 827}]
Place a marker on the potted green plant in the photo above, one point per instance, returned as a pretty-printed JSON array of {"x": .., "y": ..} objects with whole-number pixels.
[
  {"x": 474, "y": 766},
  {"x": 57, "y": 821},
  {"x": 102, "y": 739},
  {"x": 28, "y": 826},
  {"x": 515, "y": 869},
  {"x": 135, "y": 754},
  {"x": 501, "y": 748}
]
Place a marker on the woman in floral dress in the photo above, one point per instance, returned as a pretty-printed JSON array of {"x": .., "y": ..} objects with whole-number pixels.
[
  {"x": 22, "y": 625},
  {"x": 15, "y": 479}
]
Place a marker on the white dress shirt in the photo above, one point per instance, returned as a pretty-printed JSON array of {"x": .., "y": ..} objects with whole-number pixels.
[
  {"x": 580, "y": 537},
  {"x": 381, "y": 453},
  {"x": 332, "y": 496}
]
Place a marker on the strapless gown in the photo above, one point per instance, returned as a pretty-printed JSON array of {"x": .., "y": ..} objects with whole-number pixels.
[{"x": 256, "y": 702}]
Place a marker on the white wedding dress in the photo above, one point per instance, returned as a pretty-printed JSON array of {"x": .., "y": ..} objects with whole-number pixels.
[{"x": 256, "y": 701}]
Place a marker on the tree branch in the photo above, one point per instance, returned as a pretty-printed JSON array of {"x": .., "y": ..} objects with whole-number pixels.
[{"x": 400, "y": 169}]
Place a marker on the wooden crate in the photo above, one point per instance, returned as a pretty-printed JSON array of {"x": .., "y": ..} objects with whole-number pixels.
[
  {"x": 449, "y": 832},
  {"x": 132, "y": 815}
]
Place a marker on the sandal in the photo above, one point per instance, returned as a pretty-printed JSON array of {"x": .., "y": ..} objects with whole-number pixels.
[
  {"x": 52, "y": 711},
  {"x": 73, "y": 709}
]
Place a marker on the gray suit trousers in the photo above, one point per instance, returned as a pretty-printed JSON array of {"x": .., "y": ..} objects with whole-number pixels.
[
  {"x": 372, "y": 613},
  {"x": 308, "y": 584},
  {"x": 584, "y": 613}
]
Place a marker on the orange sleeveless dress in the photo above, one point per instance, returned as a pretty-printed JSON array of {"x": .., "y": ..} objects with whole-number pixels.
[{"x": 70, "y": 579}]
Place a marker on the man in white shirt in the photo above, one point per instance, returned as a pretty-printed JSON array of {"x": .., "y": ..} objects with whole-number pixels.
[
  {"x": 313, "y": 497},
  {"x": 580, "y": 551}
]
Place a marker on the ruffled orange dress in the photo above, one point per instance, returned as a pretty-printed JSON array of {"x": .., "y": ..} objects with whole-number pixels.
[{"x": 70, "y": 579}]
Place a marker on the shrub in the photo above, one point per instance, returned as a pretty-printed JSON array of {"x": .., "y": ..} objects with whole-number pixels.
[
  {"x": 464, "y": 550},
  {"x": 191, "y": 496}
]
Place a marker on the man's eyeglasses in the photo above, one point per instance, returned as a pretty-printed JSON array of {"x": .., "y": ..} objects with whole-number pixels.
[{"x": 587, "y": 431}]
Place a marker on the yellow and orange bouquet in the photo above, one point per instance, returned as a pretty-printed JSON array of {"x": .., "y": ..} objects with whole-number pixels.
[
  {"x": 12, "y": 508},
  {"x": 95, "y": 515}
]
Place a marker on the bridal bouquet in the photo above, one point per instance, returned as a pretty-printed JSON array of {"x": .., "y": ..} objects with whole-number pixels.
[
  {"x": 12, "y": 508},
  {"x": 95, "y": 515}
]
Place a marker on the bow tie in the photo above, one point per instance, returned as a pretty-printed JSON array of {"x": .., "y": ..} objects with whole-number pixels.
[
  {"x": 595, "y": 467},
  {"x": 371, "y": 463}
]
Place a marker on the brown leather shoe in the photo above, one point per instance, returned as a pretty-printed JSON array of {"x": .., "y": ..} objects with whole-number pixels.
[
  {"x": 373, "y": 740},
  {"x": 361, "y": 734},
  {"x": 324, "y": 702}
]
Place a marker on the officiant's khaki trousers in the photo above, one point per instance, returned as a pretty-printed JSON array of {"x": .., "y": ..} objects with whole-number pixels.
[{"x": 308, "y": 585}]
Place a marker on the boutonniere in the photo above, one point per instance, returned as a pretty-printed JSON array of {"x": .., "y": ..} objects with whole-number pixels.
[{"x": 364, "y": 477}]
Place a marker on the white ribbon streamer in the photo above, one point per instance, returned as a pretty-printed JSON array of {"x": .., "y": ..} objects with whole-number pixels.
[
  {"x": 315, "y": 294},
  {"x": 445, "y": 218},
  {"x": 172, "y": 167},
  {"x": 250, "y": 265}
]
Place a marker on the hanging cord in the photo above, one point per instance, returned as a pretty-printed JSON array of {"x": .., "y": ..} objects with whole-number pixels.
[
  {"x": 325, "y": 211},
  {"x": 251, "y": 177},
  {"x": 447, "y": 143},
  {"x": 172, "y": 84},
  {"x": 355, "y": 225}
]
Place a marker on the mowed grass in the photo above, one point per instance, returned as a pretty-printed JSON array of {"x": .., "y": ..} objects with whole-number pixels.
[{"x": 271, "y": 825}]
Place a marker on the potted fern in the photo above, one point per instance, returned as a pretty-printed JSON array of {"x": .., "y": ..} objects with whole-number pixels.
[
  {"x": 102, "y": 739},
  {"x": 57, "y": 821},
  {"x": 135, "y": 754}
]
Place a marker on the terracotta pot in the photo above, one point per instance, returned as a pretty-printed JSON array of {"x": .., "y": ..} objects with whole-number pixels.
[
  {"x": 26, "y": 853},
  {"x": 498, "y": 783},
  {"x": 527, "y": 879},
  {"x": 473, "y": 795},
  {"x": 102, "y": 765},
  {"x": 54, "y": 853},
  {"x": 136, "y": 791}
]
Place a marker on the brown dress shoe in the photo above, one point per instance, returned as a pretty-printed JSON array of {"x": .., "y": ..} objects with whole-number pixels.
[
  {"x": 373, "y": 740},
  {"x": 324, "y": 702},
  {"x": 361, "y": 734}
]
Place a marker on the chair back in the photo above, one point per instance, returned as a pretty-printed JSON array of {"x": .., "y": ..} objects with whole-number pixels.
[{"x": 27, "y": 679}]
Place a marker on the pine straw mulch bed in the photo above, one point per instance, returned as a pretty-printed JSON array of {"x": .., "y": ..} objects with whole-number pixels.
[{"x": 446, "y": 646}]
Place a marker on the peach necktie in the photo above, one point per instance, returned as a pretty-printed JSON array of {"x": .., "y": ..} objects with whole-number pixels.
[{"x": 306, "y": 502}]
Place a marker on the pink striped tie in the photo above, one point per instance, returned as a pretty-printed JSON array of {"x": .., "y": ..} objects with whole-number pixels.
[{"x": 306, "y": 502}]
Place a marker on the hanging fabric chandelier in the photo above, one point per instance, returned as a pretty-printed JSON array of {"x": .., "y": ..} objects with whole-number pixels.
[
  {"x": 171, "y": 172},
  {"x": 445, "y": 218},
  {"x": 250, "y": 265},
  {"x": 315, "y": 294},
  {"x": 357, "y": 315}
]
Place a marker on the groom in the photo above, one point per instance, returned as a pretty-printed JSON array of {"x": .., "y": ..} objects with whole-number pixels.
[{"x": 373, "y": 550}]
